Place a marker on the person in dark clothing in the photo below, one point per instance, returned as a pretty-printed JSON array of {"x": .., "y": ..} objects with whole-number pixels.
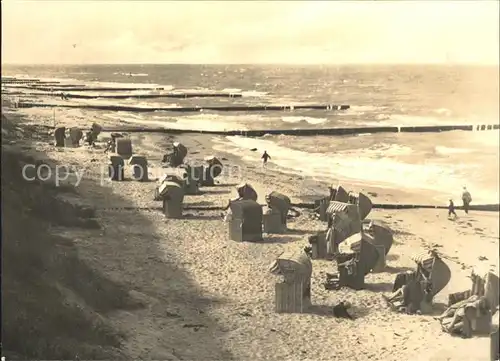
[
  {"x": 466, "y": 199},
  {"x": 451, "y": 209},
  {"x": 265, "y": 157}
]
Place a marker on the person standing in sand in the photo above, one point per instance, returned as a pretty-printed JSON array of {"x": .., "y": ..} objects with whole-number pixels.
[
  {"x": 466, "y": 199},
  {"x": 451, "y": 210},
  {"x": 264, "y": 158}
]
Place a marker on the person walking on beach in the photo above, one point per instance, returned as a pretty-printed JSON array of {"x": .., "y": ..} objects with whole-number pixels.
[
  {"x": 466, "y": 199},
  {"x": 265, "y": 157},
  {"x": 451, "y": 210}
]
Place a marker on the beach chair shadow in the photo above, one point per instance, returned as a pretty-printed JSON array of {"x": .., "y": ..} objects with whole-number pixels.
[
  {"x": 391, "y": 257},
  {"x": 277, "y": 238},
  {"x": 205, "y": 217},
  {"x": 215, "y": 191},
  {"x": 438, "y": 308},
  {"x": 298, "y": 231},
  {"x": 225, "y": 185},
  {"x": 379, "y": 287},
  {"x": 395, "y": 270},
  {"x": 327, "y": 311}
]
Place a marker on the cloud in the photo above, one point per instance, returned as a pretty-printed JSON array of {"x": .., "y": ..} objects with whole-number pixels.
[{"x": 250, "y": 32}]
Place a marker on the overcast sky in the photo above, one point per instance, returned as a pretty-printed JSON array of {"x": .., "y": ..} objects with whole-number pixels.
[{"x": 250, "y": 32}]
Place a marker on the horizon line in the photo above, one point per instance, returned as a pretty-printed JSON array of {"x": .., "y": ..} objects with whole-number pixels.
[{"x": 264, "y": 64}]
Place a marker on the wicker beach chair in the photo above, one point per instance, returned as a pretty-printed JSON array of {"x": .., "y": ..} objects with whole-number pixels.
[
  {"x": 191, "y": 179},
  {"x": 60, "y": 136},
  {"x": 363, "y": 202},
  {"x": 183, "y": 176},
  {"x": 96, "y": 129},
  {"x": 172, "y": 195},
  {"x": 343, "y": 220},
  {"x": 211, "y": 170},
  {"x": 245, "y": 223},
  {"x": 271, "y": 220},
  {"x": 124, "y": 147},
  {"x": 324, "y": 245},
  {"x": 355, "y": 259},
  {"x": 414, "y": 291},
  {"x": 177, "y": 156},
  {"x": 318, "y": 247},
  {"x": 76, "y": 134},
  {"x": 470, "y": 312},
  {"x": 380, "y": 235},
  {"x": 139, "y": 168},
  {"x": 246, "y": 191},
  {"x": 293, "y": 291},
  {"x": 321, "y": 205},
  {"x": 116, "y": 167},
  {"x": 276, "y": 216},
  {"x": 281, "y": 203},
  {"x": 338, "y": 194}
]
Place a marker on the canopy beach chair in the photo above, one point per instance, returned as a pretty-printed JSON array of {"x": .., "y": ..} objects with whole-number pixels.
[
  {"x": 380, "y": 235},
  {"x": 414, "y": 291},
  {"x": 276, "y": 217},
  {"x": 356, "y": 258},
  {"x": 246, "y": 191},
  {"x": 245, "y": 221},
  {"x": 211, "y": 170},
  {"x": 363, "y": 202},
  {"x": 176, "y": 157},
  {"x": 172, "y": 195},
  {"x": 293, "y": 291},
  {"x": 470, "y": 312},
  {"x": 139, "y": 168}
]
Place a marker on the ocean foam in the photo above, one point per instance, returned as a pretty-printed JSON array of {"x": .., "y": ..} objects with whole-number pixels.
[
  {"x": 299, "y": 119},
  {"x": 355, "y": 166},
  {"x": 231, "y": 90},
  {"x": 416, "y": 120},
  {"x": 95, "y": 83},
  {"x": 204, "y": 122},
  {"x": 131, "y": 74},
  {"x": 443, "y": 111},
  {"x": 366, "y": 108},
  {"x": 253, "y": 93},
  {"x": 448, "y": 150}
]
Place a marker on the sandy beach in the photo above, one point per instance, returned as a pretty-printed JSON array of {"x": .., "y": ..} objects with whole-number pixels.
[{"x": 205, "y": 297}]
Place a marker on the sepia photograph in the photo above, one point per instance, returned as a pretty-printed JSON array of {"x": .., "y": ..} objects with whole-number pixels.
[{"x": 250, "y": 180}]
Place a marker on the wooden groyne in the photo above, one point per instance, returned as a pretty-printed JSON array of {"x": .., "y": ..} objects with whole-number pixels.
[
  {"x": 195, "y": 109},
  {"x": 300, "y": 132},
  {"x": 478, "y": 207},
  {"x": 21, "y": 81},
  {"x": 141, "y": 96},
  {"x": 67, "y": 87}
]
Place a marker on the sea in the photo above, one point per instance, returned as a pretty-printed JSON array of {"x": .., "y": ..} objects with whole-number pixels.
[{"x": 442, "y": 163}]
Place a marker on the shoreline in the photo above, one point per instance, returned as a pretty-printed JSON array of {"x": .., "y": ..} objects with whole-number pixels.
[
  {"x": 385, "y": 192},
  {"x": 312, "y": 187},
  {"x": 235, "y": 276}
]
